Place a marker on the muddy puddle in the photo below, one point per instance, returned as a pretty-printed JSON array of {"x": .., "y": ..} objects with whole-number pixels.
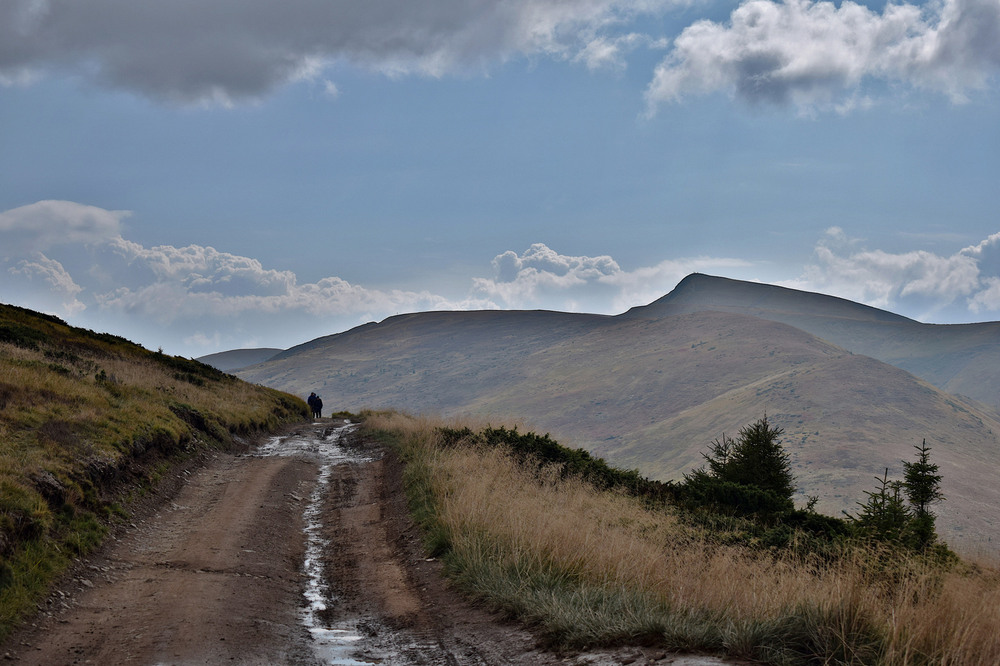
[
  {"x": 363, "y": 606},
  {"x": 331, "y": 644}
]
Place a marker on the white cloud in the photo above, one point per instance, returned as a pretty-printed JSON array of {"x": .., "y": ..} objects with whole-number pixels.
[
  {"x": 804, "y": 52},
  {"x": 230, "y": 50},
  {"x": 540, "y": 277},
  {"x": 988, "y": 298},
  {"x": 920, "y": 282},
  {"x": 608, "y": 52},
  {"x": 543, "y": 278},
  {"x": 987, "y": 256},
  {"x": 40, "y": 226},
  {"x": 194, "y": 293},
  {"x": 56, "y": 281},
  {"x": 195, "y": 282},
  {"x": 820, "y": 54},
  {"x": 204, "y": 269},
  {"x": 202, "y": 296}
]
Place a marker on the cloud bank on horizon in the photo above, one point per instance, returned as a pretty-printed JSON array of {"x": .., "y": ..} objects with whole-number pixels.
[
  {"x": 214, "y": 300},
  {"x": 811, "y": 54}
]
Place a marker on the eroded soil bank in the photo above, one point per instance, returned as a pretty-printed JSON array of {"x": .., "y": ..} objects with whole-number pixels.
[{"x": 219, "y": 573}]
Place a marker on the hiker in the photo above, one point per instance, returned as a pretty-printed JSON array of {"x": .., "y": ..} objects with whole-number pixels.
[{"x": 316, "y": 405}]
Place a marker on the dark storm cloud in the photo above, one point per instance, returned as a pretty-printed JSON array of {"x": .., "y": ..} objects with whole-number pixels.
[{"x": 227, "y": 50}]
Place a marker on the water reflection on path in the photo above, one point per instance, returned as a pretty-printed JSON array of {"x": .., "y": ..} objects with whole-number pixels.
[{"x": 331, "y": 644}]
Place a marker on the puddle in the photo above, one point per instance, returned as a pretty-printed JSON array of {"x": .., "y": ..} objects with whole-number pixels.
[{"x": 331, "y": 644}]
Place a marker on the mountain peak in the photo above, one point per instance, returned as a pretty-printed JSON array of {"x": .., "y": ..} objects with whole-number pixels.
[{"x": 699, "y": 292}]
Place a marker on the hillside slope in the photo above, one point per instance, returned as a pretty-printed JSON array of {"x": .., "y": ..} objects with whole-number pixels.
[
  {"x": 86, "y": 419},
  {"x": 957, "y": 358},
  {"x": 651, "y": 393},
  {"x": 228, "y": 361}
]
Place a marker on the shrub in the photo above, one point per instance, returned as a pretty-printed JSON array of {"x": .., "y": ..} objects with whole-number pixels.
[
  {"x": 20, "y": 335},
  {"x": 701, "y": 489},
  {"x": 543, "y": 450}
]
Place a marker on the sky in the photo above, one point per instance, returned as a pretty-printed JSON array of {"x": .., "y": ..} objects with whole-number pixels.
[{"x": 221, "y": 174}]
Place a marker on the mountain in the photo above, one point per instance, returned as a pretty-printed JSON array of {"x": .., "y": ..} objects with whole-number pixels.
[
  {"x": 228, "y": 361},
  {"x": 650, "y": 390},
  {"x": 957, "y": 358}
]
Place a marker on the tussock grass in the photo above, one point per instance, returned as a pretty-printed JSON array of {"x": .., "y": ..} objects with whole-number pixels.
[
  {"x": 85, "y": 417},
  {"x": 597, "y": 568}
]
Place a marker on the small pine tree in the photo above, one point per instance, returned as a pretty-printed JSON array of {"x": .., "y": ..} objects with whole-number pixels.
[
  {"x": 922, "y": 485},
  {"x": 750, "y": 474},
  {"x": 718, "y": 456},
  {"x": 758, "y": 459},
  {"x": 884, "y": 516}
]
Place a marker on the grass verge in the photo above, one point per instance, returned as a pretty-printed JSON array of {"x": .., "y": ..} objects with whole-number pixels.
[{"x": 593, "y": 567}]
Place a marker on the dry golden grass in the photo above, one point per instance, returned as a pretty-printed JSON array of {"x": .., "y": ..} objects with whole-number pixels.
[{"x": 592, "y": 567}]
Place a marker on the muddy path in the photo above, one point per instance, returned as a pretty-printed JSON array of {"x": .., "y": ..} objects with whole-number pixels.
[{"x": 298, "y": 552}]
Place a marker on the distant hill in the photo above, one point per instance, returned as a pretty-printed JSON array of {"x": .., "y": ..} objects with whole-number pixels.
[
  {"x": 651, "y": 390},
  {"x": 958, "y": 358},
  {"x": 228, "y": 361}
]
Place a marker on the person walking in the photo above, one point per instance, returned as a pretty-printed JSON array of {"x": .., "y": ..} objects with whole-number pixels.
[{"x": 316, "y": 405}]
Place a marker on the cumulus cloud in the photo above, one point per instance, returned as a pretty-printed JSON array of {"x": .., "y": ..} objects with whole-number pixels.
[
  {"x": 542, "y": 278},
  {"x": 919, "y": 282},
  {"x": 987, "y": 256},
  {"x": 821, "y": 54},
  {"x": 608, "y": 52},
  {"x": 40, "y": 226},
  {"x": 203, "y": 296},
  {"x": 194, "y": 293},
  {"x": 230, "y": 50},
  {"x": 58, "y": 283}
]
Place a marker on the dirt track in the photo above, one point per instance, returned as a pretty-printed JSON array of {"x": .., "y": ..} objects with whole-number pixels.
[{"x": 216, "y": 575}]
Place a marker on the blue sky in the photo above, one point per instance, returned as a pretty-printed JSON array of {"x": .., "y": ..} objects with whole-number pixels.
[{"x": 208, "y": 176}]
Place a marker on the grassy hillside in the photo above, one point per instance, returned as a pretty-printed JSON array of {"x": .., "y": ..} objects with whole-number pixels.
[
  {"x": 652, "y": 393},
  {"x": 238, "y": 358},
  {"x": 426, "y": 361},
  {"x": 587, "y": 567},
  {"x": 87, "y": 418}
]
